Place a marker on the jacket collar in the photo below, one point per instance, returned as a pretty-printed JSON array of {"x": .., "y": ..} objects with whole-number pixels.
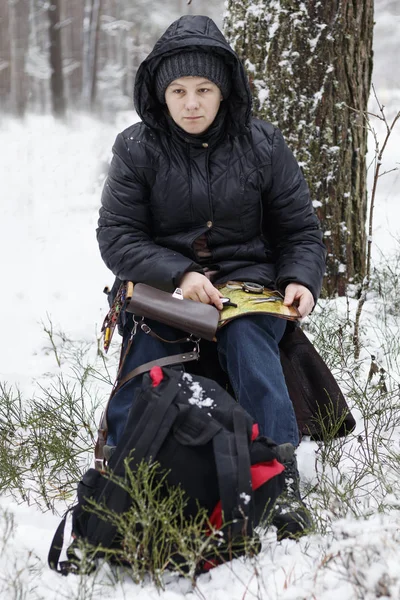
[{"x": 210, "y": 137}]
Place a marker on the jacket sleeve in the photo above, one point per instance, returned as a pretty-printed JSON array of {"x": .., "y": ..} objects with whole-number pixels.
[
  {"x": 124, "y": 227},
  {"x": 291, "y": 224}
]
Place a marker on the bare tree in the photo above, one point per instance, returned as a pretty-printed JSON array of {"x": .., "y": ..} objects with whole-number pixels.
[
  {"x": 5, "y": 57},
  {"x": 310, "y": 65},
  {"x": 57, "y": 78},
  {"x": 72, "y": 14},
  {"x": 37, "y": 65},
  {"x": 90, "y": 50},
  {"x": 19, "y": 42}
]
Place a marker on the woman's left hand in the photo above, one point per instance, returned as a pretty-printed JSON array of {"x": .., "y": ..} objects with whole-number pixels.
[{"x": 301, "y": 296}]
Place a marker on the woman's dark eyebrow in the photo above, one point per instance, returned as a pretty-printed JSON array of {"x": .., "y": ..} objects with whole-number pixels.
[{"x": 183, "y": 85}]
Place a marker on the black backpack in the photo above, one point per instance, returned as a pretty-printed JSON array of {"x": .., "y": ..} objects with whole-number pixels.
[{"x": 204, "y": 442}]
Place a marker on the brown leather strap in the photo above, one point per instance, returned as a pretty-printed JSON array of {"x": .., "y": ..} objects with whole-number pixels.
[
  {"x": 148, "y": 331},
  {"x": 167, "y": 361},
  {"x": 102, "y": 430}
]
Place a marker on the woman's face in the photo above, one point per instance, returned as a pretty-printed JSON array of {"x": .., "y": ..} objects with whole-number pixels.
[{"x": 193, "y": 103}]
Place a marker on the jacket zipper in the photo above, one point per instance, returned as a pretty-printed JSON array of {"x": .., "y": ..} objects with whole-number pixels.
[
  {"x": 209, "y": 188},
  {"x": 190, "y": 185}
]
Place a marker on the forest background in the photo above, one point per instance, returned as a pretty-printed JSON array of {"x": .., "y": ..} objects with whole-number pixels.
[
  {"x": 83, "y": 54},
  {"x": 80, "y": 54}
]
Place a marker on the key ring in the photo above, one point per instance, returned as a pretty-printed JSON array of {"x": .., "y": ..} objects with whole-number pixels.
[
  {"x": 254, "y": 288},
  {"x": 246, "y": 286}
]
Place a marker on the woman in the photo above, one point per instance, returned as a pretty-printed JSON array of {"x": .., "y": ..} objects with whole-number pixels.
[{"x": 200, "y": 193}]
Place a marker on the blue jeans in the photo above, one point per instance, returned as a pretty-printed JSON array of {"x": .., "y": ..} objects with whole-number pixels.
[{"x": 247, "y": 351}]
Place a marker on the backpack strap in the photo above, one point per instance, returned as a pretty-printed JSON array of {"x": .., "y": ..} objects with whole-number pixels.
[
  {"x": 73, "y": 563},
  {"x": 226, "y": 465},
  {"x": 145, "y": 426},
  {"x": 232, "y": 460},
  {"x": 145, "y": 431},
  {"x": 245, "y": 492},
  {"x": 53, "y": 559}
]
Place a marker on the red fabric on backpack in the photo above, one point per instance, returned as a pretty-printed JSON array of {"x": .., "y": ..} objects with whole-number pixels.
[
  {"x": 260, "y": 473},
  {"x": 156, "y": 375}
]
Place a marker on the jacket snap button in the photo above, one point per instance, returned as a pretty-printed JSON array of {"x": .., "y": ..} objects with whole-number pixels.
[
  {"x": 205, "y": 145},
  {"x": 209, "y": 224}
]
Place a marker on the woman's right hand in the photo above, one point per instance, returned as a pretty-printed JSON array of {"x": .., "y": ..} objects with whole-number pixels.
[{"x": 196, "y": 286}]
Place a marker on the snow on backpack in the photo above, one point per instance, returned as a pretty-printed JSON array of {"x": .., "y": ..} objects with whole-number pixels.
[{"x": 204, "y": 442}]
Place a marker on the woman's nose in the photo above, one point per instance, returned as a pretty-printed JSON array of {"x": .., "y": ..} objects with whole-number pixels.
[{"x": 191, "y": 102}]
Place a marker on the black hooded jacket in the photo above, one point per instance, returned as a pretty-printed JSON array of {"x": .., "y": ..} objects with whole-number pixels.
[{"x": 238, "y": 183}]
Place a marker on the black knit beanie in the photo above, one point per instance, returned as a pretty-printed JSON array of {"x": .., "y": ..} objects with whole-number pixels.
[{"x": 193, "y": 63}]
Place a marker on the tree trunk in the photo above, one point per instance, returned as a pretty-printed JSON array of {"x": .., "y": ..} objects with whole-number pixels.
[
  {"x": 19, "y": 42},
  {"x": 310, "y": 66},
  {"x": 91, "y": 43},
  {"x": 5, "y": 59},
  {"x": 72, "y": 44},
  {"x": 57, "y": 77}
]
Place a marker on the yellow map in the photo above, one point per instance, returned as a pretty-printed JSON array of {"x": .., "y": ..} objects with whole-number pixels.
[{"x": 269, "y": 301}]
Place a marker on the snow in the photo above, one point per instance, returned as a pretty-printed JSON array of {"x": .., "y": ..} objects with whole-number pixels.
[
  {"x": 198, "y": 397},
  {"x": 245, "y": 497},
  {"x": 51, "y": 177}
]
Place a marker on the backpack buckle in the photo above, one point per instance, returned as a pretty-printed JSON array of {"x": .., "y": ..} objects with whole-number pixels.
[
  {"x": 145, "y": 328},
  {"x": 99, "y": 464}
]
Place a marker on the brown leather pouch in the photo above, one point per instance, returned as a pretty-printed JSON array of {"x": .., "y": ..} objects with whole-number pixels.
[{"x": 193, "y": 317}]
